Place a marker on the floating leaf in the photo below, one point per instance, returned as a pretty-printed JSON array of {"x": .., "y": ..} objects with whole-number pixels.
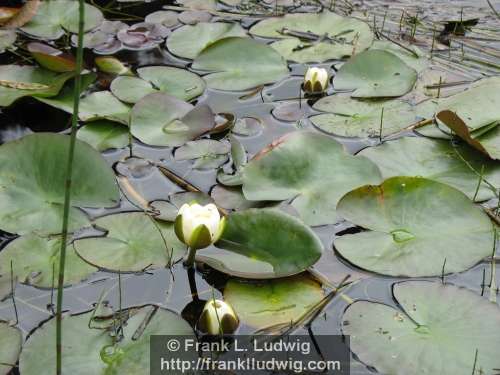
[
  {"x": 348, "y": 36},
  {"x": 35, "y": 261},
  {"x": 418, "y": 63},
  {"x": 19, "y": 81},
  {"x": 51, "y": 58},
  {"x": 168, "y": 210},
  {"x": 91, "y": 350},
  {"x": 362, "y": 118},
  {"x": 165, "y": 18},
  {"x": 436, "y": 160},
  {"x": 312, "y": 169},
  {"x": 232, "y": 198},
  {"x": 247, "y": 126},
  {"x": 142, "y": 35},
  {"x": 374, "y": 74},
  {"x": 188, "y": 41},
  {"x": 111, "y": 65},
  {"x": 272, "y": 302},
  {"x": 133, "y": 242},
  {"x": 177, "y": 82},
  {"x": 263, "y": 244},
  {"x": 240, "y": 64},
  {"x": 415, "y": 226},
  {"x": 163, "y": 120},
  {"x": 7, "y": 39},
  {"x": 437, "y": 330},
  {"x": 55, "y": 16},
  {"x": 192, "y": 17},
  {"x": 208, "y": 153},
  {"x": 11, "y": 340},
  {"x": 104, "y": 135},
  {"x": 199, "y": 4},
  {"x": 103, "y": 40},
  {"x": 32, "y": 180}
]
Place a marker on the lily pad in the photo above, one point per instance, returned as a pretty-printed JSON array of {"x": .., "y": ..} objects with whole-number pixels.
[
  {"x": 165, "y": 18},
  {"x": 168, "y": 210},
  {"x": 19, "y": 81},
  {"x": 133, "y": 242},
  {"x": 141, "y": 36},
  {"x": 361, "y": 118},
  {"x": 415, "y": 226},
  {"x": 208, "y": 153},
  {"x": 312, "y": 169},
  {"x": 55, "y": 16},
  {"x": 33, "y": 175},
  {"x": 349, "y": 36},
  {"x": 232, "y": 198},
  {"x": 272, "y": 302},
  {"x": 87, "y": 350},
  {"x": 35, "y": 261},
  {"x": 163, "y": 120},
  {"x": 437, "y": 330},
  {"x": 11, "y": 340},
  {"x": 375, "y": 74},
  {"x": 7, "y": 39},
  {"x": 240, "y": 64},
  {"x": 104, "y": 135},
  {"x": 51, "y": 58},
  {"x": 436, "y": 160},
  {"x": 263, "y": 244},
  {"x": 418, "y": 63},
  {"x": 177, "y": 82},
  {"x": 188, "y": 41}
]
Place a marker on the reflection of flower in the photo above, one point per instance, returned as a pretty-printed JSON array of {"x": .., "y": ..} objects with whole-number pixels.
[
  {"x": 218, "y": 317},
  {"x": 315, "y": 80},
  {"x": 198, "y": 226},
  {"x": 143, "y": 35}
]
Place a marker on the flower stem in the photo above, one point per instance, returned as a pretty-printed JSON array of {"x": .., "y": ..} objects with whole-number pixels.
[
  {"x": 67, "y": 193},
  {"x": 189, "y": 262}
]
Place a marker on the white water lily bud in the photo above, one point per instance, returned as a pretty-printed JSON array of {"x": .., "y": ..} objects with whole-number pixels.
[
  {"x": 218, "y": 317},
  {"x": 315, "y": 80},
  {"x": 198, "y": 226}
]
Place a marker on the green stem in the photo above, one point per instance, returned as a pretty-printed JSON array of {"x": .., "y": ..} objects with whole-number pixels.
[
  {"x": 67, "y": 193},
  {"x": 189, "y": 262}
]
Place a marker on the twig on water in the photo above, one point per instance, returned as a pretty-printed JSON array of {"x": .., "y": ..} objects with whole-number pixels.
[
  {"x": 479, "y": 182},
  {"x": 13, "y": 291},
  {"x": 67, "y": 193},
  {"x": 493, "y": 8},
  {"x": 381, "y": 125}
]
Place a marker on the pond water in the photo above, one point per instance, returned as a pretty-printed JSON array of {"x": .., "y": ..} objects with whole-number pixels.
[{"x": 268, "y": 113}]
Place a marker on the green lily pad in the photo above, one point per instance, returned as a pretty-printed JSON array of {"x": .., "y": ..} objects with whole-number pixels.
[
  {"x": 436, "y": 160},
  {"x": 35, "y": 261},
  {"x": 232, "y": 198},
  {"x": 51, "y": 58},
  {"x": 91, "y": 351},
  {"x": 11, "y": 340},
  {"x": 263, "y": 244},
  {"x": 240, "y": 64},
  {"x": 133, "y": 242},
  {"x": 55, "y": 16},
  {"x": 437, "y": 330},
  {"x": 177, "y": 82},
  {"x": 19, "y": 81},
  {"x": 207, "y": 153},
  {"x": 312, "y": 169},
  {"x": 32, "y": 180},
  {"x": 163, "y": 120},
  {"x": 104, "y": 135},
  {"x": 375, "y": 74},
  {"x": 7, "y": 39},
  {"x": 415, "y": 225},
  {"x": 361, "y": 118},
  {"x": 188, "y": 41},
  {"x": 418, "y": 63},
  {"x": 95, "y": 106},
  {"x": 465, "y": 105},
  {"x": 352, "y": 36},
  {"x": 272, "y": 302}
]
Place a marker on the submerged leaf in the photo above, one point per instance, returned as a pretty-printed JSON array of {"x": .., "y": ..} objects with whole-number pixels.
[
  {"x": 11, "y": 340},
  {"x": 51, "y": 58}
]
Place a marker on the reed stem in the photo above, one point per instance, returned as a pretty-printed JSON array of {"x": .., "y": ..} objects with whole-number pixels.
[{"x": 67, "y": 193}]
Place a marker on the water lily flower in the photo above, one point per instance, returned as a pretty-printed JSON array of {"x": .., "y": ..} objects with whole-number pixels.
[
  {"x": 198, "y": 227},
  {"x": 218, "y": 317},
  {"x": 315, "y": 80}
]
